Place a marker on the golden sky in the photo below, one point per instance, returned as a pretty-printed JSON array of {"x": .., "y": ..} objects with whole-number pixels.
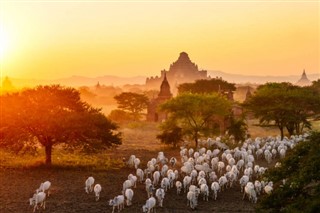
[{"x": 56, "y": 39}]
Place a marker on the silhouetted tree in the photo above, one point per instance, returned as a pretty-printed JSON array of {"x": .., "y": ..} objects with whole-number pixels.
[
  {"x": 134, "y": 103},
  {"x": 238, "y": 128},
  {"x": 203, "y": 86},
  {"x": 172, "y": 134},
  {"x": 52, "y": 115},
  {"x": 286, "y": 105},
  {"x": 195, "y": 113}
]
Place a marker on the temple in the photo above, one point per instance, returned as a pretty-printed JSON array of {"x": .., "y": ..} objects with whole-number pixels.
[
  {"x": 165, "y": 94},
  {"x": 181, "y": 71},
  {"x": 304, "y": 81}
]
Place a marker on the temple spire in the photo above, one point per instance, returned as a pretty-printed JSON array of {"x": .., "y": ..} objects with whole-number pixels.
[
  {"x": 304, "y": 81},
  {"x": 165, "y": 87}
]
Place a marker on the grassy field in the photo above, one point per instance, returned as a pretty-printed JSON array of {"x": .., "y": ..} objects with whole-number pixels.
[
  {"x": 70, "y": 170},
  {"x": 137, "y": 136}
]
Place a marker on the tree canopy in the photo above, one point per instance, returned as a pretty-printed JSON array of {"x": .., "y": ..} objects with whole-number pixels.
[
  {"x": 237, "y": 128},
  {"x": 301, "y": 171},
  {"x": 172, "y": 134},
  {"x": 132, "y": 102},
  {"x": 196, "y": 115},
  {"x": 284, "y": 104},
  {"x": 204, "y": 86},
  {"x": 52, "y": 115}
]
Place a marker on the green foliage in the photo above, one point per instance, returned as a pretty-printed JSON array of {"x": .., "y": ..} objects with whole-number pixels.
[
  {"x": 195, "y": 114},
  {"x": 51, "y": 115},
  {"x": 301, "y": 170},
  {"x": 286, "y": 105},
  {"x": 316, "y": 85},
  {"x": 316, "y": 90},
  {"x": 172, "y": 134},
  {"x": 238, "y": 128},
  {"x": 206, "y": 86},
  {"x": 132, "y": 102}
]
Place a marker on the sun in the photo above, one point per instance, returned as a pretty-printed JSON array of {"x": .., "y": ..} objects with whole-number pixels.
[{"x": 4, "y": 42}]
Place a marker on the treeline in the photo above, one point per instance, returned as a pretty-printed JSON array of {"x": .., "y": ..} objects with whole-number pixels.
[{"x": 54, "y": 114}]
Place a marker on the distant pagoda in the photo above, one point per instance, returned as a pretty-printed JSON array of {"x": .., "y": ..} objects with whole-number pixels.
[
  {"x": 181, "y": 71},
  {"x": 152, "y": 112},
  {"x": 304, "y": 81}
]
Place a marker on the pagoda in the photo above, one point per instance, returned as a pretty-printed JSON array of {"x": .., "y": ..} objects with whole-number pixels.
[
  {"x": 304, "y": 81},
  {"x": 181, "y": 71},
  {"x": 165, "y": 94}
]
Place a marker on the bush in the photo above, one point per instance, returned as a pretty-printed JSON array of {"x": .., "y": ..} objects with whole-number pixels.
[
  {"x": 118, "y": 115},
  {"x": 301, "y": 170}
]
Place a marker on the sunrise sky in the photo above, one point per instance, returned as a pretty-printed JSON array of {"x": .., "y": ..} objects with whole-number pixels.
[{"x": 56, "y": 39}]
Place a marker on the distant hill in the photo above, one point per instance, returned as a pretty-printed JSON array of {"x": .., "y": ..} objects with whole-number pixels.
[
  {"x": 239, "y": 79},
  {"x": 77, "y": 81}
]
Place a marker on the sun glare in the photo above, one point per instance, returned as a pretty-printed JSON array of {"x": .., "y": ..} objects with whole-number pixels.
[{"x": 4, "y": 42}]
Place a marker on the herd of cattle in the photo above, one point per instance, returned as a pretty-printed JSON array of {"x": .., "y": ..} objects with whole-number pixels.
[{"x": 199, "y": 174}]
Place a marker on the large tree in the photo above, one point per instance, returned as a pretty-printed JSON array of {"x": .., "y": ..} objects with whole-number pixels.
[
  {"x": 204, "y": 86},
  {"x": 133, "y": 103},
  {"x": 285, "y": 105},
  {"x": 300, "y": 170},
  {"x": 195, "y": 114},
  {"x": 51, "y": 115}
]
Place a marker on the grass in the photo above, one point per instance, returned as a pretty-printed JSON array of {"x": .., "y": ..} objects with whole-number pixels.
[
  {"x": 255, "y": 130},
  {"x": 138, "y": 137},
  {"x": 316, "y": 125},
  {"x": 60, "y": 160},
  {"x": 10, "y": 160}
]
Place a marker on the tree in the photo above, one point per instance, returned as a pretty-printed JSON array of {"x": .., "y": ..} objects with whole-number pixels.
[
  {"x": 132, "y": 102},
  {"x": 316, "y": 88},
  {"x": 237, "y": 128},
  {"x": 284, "y": 104},
  {"x": 203, "y": 86},
  {"x": 52, "y": 115},
  {"x": 172, "y": 134},
  {"x": 301, "y": 171},
  {"x": 316, "y": 85},
  {"x": 195, "y": 114},
  {"x": 119, "y": 116}
]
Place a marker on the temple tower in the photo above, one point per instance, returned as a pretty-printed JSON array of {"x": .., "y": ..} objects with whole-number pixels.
[
  {"x": 165, "y": 94},
  {"x": 304, "y": 81}
]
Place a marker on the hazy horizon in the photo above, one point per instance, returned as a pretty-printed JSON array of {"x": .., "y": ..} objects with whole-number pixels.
[
  {"x": 52, "y": 40},
  {"x": 113, "y": 80}
]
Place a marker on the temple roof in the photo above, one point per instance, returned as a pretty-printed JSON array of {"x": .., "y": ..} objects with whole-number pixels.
[{"x": 183, "y": 65}]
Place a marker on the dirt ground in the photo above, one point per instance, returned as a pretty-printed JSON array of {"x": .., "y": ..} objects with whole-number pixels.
[{"x": 68, "y": 194}]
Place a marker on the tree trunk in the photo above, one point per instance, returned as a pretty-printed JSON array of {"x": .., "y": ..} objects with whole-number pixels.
[
  {"x": 290, "y": 127},
  {"x": 281, "y": 131},
  {"x": 48, "y": 149},
  {"x": 299, "y": 128},
  {"x": 196, "y": 139}
]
